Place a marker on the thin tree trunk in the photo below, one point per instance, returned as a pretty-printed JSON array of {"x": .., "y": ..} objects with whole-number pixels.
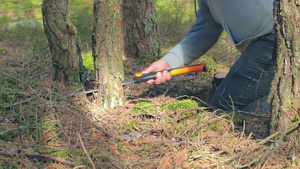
[
  {"x": 140, "y": 29},
  {"x": 63, "y": 41},
  {"x": 107, "y": 52},
  {"x": 285, "y": 94}
]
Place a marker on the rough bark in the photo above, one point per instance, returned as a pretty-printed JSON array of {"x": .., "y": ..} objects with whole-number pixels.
[
  {"x": 107, "y": 52},
  {"x": 285, "y": 94},
  {"x": 63, "y": 41},
  {"x": 140, "y": 29}
]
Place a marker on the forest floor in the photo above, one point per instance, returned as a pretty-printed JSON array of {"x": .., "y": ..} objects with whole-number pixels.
[{"x": 44, "y": 124}]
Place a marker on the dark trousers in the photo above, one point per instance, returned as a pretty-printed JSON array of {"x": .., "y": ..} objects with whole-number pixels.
[{"x": 247, "y": 85}]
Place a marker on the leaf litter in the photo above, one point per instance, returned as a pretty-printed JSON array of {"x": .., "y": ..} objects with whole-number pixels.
[{"x": 41, "y": 127}]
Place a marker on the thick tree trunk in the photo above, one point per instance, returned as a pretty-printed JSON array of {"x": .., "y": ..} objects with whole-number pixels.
[
  {"x": 140, "y": 29},
  {"x": 285, "y": 94},
  {"x": 63, "y": 41},
  {"x": 107, "y": 52}
]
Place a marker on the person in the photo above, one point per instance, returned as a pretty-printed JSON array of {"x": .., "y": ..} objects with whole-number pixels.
[{"x": 249, "y": 24}]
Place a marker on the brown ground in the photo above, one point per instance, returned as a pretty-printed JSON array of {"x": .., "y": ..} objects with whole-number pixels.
[{"x": 42, "y": 127}]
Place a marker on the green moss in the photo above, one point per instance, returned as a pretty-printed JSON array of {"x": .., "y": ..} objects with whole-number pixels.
[
  {"x": 68, "y": 153},
  {"x": 208, "y": 60},
  {"x": 210, "y": 63},
  {"x": 132, "y": 126},
  {"x": 178, "y": 106},
  {"x": 75, "y": 155},
  {"x": 144, "y": 107},
  {"x": 149, "y": 29}
]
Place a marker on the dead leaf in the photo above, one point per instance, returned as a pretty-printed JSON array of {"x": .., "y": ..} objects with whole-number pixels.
[
  {"x": 131, "y": 136},
  {"x": 32, "y": 92},
  {"x": 15, "y": 125},
  {"x": 212, "y": 134},
  {"x": 13, "y": 151},
  {"x": 180, "y": 157},
  {"x": 52, "y": 165},
  {"x": 46, "y": 137},
  {"x": 165, "y": 163},
  {"x": 30, "y": 150},
  {"x": 255, "y": 119},
  {"x": 99, "y": 137}
]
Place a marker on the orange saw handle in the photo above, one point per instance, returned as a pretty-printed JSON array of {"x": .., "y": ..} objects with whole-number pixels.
[
  {"x": 139, "y": 77},
  {"x": 188, "y": 69}
]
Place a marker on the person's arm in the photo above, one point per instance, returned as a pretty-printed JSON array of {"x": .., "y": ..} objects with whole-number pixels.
[{"x": 197, "y": 41}]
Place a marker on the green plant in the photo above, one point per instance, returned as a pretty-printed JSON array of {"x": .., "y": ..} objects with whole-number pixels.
[
  {"x": 28, "y": 10},
  {"x": 88, "y": 61},
  {"x": 2, "y": 50},
  {"x": 81, "y": 15},
  {"x": 7, "y": 165},
  {"x": 175, "y": 17}
]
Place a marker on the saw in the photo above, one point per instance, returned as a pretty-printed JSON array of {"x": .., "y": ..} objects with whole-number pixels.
[{"x": 140, "y": 77}]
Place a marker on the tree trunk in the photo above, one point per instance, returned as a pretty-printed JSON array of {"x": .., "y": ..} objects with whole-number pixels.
[
  {"x": 63, "y": 41},
  {"x": 107, "y": 52},
  {"x": 140, "y": 29},
  {"x": 285, "y": 94}
]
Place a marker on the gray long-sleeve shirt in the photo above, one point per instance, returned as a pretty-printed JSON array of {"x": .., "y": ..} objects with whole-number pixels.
[{"x": 243, "y": 20}]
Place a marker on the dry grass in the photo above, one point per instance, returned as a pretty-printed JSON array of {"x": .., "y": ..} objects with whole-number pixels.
[{"x": 43, "y": 128}]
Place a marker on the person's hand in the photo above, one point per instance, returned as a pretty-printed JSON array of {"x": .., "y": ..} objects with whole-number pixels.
[{"x": 161, "y": 77}]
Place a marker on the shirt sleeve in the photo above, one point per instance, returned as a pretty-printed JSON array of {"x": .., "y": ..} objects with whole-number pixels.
[{"x": 197, "y": 41}]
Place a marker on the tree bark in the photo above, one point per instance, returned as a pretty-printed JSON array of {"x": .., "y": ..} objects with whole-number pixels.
[
  {"x": 107, "y": 52},
  {"x": 63, "y": 41},
  {"x": 285, "y": 94},
  {"x": 140, "y": 29}
]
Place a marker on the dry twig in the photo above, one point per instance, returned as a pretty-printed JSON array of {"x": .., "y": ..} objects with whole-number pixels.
[{"x": 86, "y": 153}]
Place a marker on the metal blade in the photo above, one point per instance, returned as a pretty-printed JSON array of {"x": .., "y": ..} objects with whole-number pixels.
[{"x": 129, "y": 81}]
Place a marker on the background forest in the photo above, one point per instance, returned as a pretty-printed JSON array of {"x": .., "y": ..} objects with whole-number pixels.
[{"x": 160, "y": 126}]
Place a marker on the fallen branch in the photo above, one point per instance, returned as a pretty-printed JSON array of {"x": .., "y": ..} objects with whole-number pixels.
[
  {"x": 83, "y": 92},
  {"x": 19, "y": 103},
  {"x": 6, "y": 131},
  {"x": 47, "y": 152},
  {"x": 278, "y": 132},
  {"x": 86, "y": 153},
  {"x": 57, "y": 159}
]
